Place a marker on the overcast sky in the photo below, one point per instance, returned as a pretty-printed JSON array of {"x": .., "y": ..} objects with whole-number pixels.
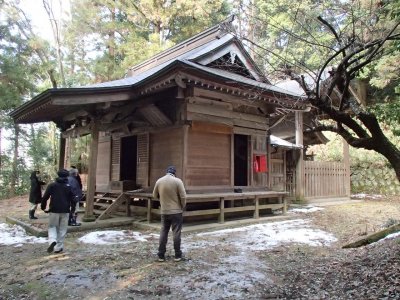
[{"x": 40, "y": 20}]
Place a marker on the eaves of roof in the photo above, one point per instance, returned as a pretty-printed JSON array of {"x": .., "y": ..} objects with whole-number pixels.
[
  {"x": 165, "y": 67},
  {"x": 241, "y": 79},
  {"x": 132, "y": 83},
  {"x": 47, "y": 95},
  {"x": 278, "y": 142}
]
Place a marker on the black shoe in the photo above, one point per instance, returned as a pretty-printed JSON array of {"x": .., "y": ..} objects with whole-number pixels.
[
  {"x": 51, "y": 247},
  {"x": 75, "y": 224},
  {"x": 32, "y": 215},
  {"x": 59, "y": 251},
  {"x": 161, "y": 258}
]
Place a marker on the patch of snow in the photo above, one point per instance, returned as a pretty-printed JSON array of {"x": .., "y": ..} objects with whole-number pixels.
[
  {"x": 391, "y": 236},
  {"x": 370, "y": 196},
  {"x": 232, "y": 278},
  {"x": 252, "y": 237},
  {"x": 268, "y": 235},
  {"x": 239, "y": 270},
  {"x": 108, "y": 237},
  {"x": 17, "y": 236},
  {"x": 306, "y": 209}
]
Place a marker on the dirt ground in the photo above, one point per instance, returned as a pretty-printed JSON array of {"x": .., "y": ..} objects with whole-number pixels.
[{"x": 215, "y": 267}]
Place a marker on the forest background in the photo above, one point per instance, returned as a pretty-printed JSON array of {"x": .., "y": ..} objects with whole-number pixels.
[{"x": 99, "y": 40}]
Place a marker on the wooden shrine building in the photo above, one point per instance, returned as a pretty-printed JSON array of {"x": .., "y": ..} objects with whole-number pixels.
[{"x": 202, "y": 105}]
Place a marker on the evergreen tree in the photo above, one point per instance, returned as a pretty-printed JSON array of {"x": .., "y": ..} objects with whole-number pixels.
[
  {"x": 104, "y": 38},
  {"x": 23, "y": 61}
]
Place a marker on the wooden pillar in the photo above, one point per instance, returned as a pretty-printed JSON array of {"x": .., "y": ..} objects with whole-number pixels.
[
  {"x": 128, "y": 201},
  {"x": 269, "y": 179},
  {"x": 300, "y": 162},
  {"x": 232, "y": 160},
  {"x": 282, "y": 199},
  {"x": 221, "y": 210},
  {"x": 250, "y": 141},
  {"x": 346, "y": 160},
  {"x": 185, "y": 152},
  {"x": 67, "y": 158},
  {"x": 257, "y": 207},
  {"x": 91, "y": 181},
  {"x": 61, "y": 153},
  {"x": 149, "y": 204}
]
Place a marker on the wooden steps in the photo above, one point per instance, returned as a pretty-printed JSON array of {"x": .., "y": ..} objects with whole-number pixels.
[{"x": 106, "y": 205}]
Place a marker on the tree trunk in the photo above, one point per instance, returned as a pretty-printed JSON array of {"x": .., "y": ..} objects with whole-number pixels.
[
  {"x": 55, "y": 150},
  {"x": 14, "y": 172},
  {"x": 0, "y": 150},
  {"x": 390, "y": 151},
  {"x": 56, "y": 35},
  {"x": 372, "y": 238},
  {"x": 111, "y": 47}
]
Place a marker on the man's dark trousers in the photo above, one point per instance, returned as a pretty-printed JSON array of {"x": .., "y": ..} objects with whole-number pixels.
[{"x": 167, "y": 221}]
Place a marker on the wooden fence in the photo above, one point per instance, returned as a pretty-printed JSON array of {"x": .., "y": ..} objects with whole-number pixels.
[{"x": 325, "y": 179}]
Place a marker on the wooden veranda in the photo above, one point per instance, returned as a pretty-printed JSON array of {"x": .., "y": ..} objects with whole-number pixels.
[{"x": 205, "y": 205}]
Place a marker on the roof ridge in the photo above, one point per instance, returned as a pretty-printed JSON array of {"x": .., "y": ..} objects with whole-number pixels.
[{"x": 216, "y": 31}]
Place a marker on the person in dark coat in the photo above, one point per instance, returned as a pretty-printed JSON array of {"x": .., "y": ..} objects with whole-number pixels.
[
  {"x": 61, "y": 204},
  {"x": 77, "y": 191},
  {"x": 77, "y": 177},
  {"x": 35, "y": 195}
]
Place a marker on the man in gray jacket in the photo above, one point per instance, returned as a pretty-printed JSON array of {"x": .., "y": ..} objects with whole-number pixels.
[{"x": 171, "y": 192}]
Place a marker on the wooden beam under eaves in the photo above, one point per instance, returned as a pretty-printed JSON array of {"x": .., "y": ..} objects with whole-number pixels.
[
  {"x": 75, "y": 115},
  {"x": 81, "y": 99},
  {"x": 122, "y": 125},
  {"x": 76, "y": 132}
]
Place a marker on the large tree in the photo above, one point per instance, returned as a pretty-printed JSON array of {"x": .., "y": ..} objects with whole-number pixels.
[
  {"x": 24, "y": 64},
  {"x": 328, "y": 49},
  {"x": 104, "y": 38}
]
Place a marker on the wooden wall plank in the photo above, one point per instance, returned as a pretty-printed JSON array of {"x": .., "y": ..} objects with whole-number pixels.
[
  {"x": 103, "y": 169},
  {"x": 215, "y": 95},
  {"x": 115, "y": 159},
  {"x": 218, "y": 111},
  {"x": 207, "y": 118},
  {"x": 211, "y": 127},
  {"x": 165, "y": 149},
  {"x": 142, "y": 171},
  {"x": 209, "y": 158}
]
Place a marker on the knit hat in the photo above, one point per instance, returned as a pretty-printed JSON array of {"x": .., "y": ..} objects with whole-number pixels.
[
  {"x": 62, "y": 173},
  {"x": 171, "y": 169},
  {"x": 73, "y": 172}
]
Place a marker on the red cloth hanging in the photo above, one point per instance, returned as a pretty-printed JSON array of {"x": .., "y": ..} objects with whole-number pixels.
[{"x": 260, "y": 163}]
